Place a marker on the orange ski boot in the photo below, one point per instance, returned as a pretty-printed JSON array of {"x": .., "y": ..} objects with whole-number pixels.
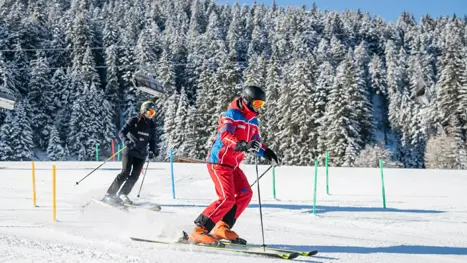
[
  {"x": 201, "y": 236},
  {"x": 222, "y": 231}
]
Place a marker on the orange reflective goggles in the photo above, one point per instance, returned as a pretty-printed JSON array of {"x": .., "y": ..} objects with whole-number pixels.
[
  {"x": 257, "y": 103},
  {"x": 151, "y": 112}
]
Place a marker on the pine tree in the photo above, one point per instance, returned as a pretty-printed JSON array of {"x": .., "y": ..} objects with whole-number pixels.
[
  {"x": 145, "y": 54},
  {"x": 190, "y": 133},
  {"x": 17, "y": 134},
  {"x": 55, "y": 151},
  {"x": 255, "y": 73},
  {"x": 8, "y": 85},
  {"x": 283, "y": 137},
  {"x": 342, "y": 138},
  {"x": 395, "y": 90},
  {"x": 127, "y": 70},
  {"x": 449, "y": 87},
  {"x": 181, "y": 115},
  {"x": 299, "y": 112},
  {"x": 170, "y": 127},
  {"x": 270, "y": 117},
  {"x": 112, "y": 88},
  {"x": 90, "y": 123},
  {"x": 227, "y": 80},
  {"x": 54, "y": 96},
  {"x": 362, "y": 94},
  {"x": 320, "y": 95},
  {"x": 6, "y": 151},
  {"x": 17, "y": 71},
  {"x": 442, "y": 153},
  {"x": 379, "y": 93},
  {"x": 58, "y": 56},
  {"x": 39, "y": 87},
  {"x": 207, "y": 110},
  {"x": 81, "y": 36},
  {"x": 166, "y": 72}
]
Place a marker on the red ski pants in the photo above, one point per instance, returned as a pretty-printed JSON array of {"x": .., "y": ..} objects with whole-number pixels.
[{"x": 234, "y": 194}]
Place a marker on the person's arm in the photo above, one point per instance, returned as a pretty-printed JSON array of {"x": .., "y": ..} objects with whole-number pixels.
[
  {"x": 264, "y": 151},
  {"x": 227, "y": 127},
  {"x": 262, "y": 147},
  {"x": 123, "y": 133}
]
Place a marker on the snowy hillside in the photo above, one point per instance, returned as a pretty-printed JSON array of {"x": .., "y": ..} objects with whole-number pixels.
[{"x": 425, "y": 220}]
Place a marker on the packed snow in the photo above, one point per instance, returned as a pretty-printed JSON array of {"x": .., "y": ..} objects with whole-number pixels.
[{"x": 425, "y": 219}]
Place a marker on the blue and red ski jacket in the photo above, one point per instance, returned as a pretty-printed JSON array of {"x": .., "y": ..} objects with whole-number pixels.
[{"x": 236, "y": 124}]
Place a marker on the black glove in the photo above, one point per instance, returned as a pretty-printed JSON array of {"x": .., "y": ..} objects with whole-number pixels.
[
  {"x": 271, "y": 156},
  {"x": 243, "y": 146},
  {"x": 254, "y": 146},
  {"x": 129, "y": 143},
  {"x": 151, "y": 155}
]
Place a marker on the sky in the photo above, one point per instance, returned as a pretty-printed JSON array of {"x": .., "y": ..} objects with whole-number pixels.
[{"x": 388, "y": 10}]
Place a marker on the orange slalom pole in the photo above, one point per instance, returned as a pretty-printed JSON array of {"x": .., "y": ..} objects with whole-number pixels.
[
  {"x": 33, "y": 184},
  {"x": 54, "y": 192}
]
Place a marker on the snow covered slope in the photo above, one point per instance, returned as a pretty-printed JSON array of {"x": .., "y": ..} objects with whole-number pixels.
[{"x": 425, "y": 220}]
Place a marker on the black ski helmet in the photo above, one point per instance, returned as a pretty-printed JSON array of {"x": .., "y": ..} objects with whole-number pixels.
[
  {"x": 146, "y": 106},
  {"x": 251, "y": 93}
]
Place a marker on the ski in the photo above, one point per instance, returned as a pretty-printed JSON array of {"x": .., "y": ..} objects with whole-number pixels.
[
  {"x": 117, "y": 206},
  {"x": 221, "y": 247},
  {"x": 151, "y": 207},
  {"x": 285, "y": 250},
  {"x": 125, "y": 207}
]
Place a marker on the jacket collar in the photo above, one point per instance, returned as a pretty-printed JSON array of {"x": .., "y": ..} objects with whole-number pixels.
[{"x": 240, "y": 105}]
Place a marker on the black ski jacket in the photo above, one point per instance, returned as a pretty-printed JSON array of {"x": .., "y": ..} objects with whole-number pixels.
[{"x": 141, "y": 131}]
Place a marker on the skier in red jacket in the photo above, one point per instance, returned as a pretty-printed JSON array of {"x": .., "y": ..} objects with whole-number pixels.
[{"x": 238, "y": 132}]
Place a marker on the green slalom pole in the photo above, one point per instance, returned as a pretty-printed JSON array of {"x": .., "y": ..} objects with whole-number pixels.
[
  {"x": 327, "y": 172},
  {"x": 314, "y": 194},
  {"x": 382, "y": 183},
  {"x": 274, "y": 182},
  {"x": 97, "y": 152}
]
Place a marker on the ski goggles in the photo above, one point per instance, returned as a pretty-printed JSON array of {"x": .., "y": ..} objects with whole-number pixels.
[
  {"x": 257, "y": 104},
  {"x": 151, "y": 112}
]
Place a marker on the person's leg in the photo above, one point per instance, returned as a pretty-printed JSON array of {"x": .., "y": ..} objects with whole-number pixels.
[
  {"x": 243, "y": 194},
  {"x": 131, "y": 181},
  {"x": 242, "y": 199},
  {"x": 127, "y": 162},
  {"x": 223, "y": 181}
]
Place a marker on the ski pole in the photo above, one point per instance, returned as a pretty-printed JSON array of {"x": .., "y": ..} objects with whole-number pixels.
[
  {"x": 77, "y": 183},
  {"x": 144, "y": 175},
  {"x": 261, "y": 175},
  {"x": 259, "y": 201}
]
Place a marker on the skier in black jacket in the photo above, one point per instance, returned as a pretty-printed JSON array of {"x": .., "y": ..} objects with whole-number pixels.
[{"x": 137, "y": 133}]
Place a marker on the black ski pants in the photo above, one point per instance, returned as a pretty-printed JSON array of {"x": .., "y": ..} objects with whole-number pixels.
[{"x": 131, "y": 169}]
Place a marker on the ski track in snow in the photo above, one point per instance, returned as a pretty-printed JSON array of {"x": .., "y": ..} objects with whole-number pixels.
[{"x": 425, "y": 219}]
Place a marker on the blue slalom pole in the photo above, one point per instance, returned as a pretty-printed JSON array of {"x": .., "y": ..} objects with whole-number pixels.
[{"x": 172, "y": 172}]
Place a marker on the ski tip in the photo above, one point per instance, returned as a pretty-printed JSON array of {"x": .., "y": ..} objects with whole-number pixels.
[
  {"x": 290, "y": 255},
  {"x": 138, "y": 239},
  {"x": 295, "y": 255},
  {"x": 308, "y": 253}
]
